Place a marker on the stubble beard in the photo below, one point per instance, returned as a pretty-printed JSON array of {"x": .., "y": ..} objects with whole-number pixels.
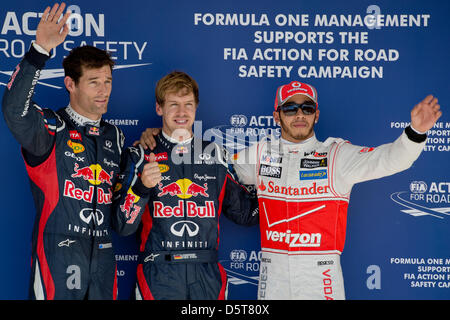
[{"x": 299, "y": 137}]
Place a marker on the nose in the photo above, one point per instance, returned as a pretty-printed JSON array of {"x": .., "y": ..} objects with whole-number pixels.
[
  {"x": 300, "y": 114},
  {"x": 104, "y": 88},
  {"x": 182, "y": 109}
]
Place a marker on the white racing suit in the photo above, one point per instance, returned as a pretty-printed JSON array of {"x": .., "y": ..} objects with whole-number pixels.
[{"x": 304, "y": 191}]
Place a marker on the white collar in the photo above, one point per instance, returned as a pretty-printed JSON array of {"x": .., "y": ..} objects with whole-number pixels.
[
  {"x": 81, "y": 120},
  {"x": 170, "y": 139},
  {"x": 285, "y": 146},
  {"x": 287, "y": 142}
]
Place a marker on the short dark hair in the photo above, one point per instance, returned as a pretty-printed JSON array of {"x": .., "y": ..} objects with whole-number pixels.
[
  {"x": 176, "y": 81},
  {"x": 86, "y": 56}
]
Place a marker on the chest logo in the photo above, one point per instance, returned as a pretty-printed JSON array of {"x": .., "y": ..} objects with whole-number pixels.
[
  {"x": 75, "y": 146},
  {"x": 313, "y": 174},
  {"x": 184, "y": 189},
  {"x": 94, "y": 173}
]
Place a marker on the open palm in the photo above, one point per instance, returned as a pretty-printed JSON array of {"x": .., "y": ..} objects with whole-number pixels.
[
  {"x": 50, "y": 33},
  {"x": 425, "y": 114}
]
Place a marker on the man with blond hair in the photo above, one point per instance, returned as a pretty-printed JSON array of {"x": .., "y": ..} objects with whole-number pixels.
[{"x": 178, "y": 192}]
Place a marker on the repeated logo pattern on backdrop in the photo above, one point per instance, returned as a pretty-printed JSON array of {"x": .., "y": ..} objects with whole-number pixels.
[{"x": 370, "y": 66}]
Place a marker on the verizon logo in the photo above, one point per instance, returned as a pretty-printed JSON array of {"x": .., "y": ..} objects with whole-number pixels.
[{"x": 295, "y": 240}]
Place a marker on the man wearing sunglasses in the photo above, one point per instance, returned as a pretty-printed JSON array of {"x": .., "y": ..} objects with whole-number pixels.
[
  {"x": 296, "y": 113},
  {"x": 304, "y": 189}
]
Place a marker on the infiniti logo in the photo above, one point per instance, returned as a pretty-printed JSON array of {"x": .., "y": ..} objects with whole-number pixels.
[
  {"x": 180, "y": 227},
  {"x": 88, "y": 214}
]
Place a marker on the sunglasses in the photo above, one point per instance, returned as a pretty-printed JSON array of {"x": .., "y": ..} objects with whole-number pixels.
[{"x": 290, "y": 109}]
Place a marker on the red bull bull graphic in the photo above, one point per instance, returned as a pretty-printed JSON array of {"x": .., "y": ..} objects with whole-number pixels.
[
  {"x": 94, "y": 131},
  {"x": 129, "y": 208},
  {"x": 172, "y": 189},
  {"x": 94, "y": 173},
  {"x": 184, "y": 189},
  {"x": 86, "y": 172},
  {"x": 195, "y": 189},
  {"x": 104, "y": 177}
]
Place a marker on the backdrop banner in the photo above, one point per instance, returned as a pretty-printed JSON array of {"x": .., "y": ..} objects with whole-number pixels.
[{"x": 370, "y": 62}]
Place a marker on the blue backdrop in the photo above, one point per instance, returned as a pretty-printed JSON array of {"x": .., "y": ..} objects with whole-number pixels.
[{"x": 368, "y": 73}]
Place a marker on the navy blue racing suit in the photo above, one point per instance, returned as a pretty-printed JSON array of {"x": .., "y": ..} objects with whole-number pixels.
[
  {"x": 179, "y": 217},
  {"x": 72, "y": 166}
]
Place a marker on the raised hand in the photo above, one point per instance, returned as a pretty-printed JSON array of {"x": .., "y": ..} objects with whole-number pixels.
[
  {"x": 50, "y": 33},
  {"x": 151, "y": 175},
  {"x": 425, "y": 114}
]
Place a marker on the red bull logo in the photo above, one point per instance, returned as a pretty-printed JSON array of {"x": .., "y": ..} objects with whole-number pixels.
[
  {"x": 94, "y": 131},
  {"x": 93, "y": 173},
  {"x": 128, "y": 205},
  {"x": 181, "y": 150},
  {"x": 191, "y": 209},
  {"x": 71, "y": 191},
  {"x": 184, "y": 189}
]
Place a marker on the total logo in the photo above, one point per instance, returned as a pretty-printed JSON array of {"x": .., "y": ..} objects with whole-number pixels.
[
  {"x": 184, "y": 189},
  {"x": 424, "y": 200}
]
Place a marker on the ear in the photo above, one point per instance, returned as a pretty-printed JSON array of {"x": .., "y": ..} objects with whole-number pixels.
[
  {"x": 317, "y": 116},
  {"x": 69, "y": 83},
  {"x": 276, "y": 117},
  {"x": 158, "y": 109}
]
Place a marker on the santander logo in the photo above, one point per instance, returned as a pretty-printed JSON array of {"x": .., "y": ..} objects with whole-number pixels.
[{"x": 313, "y": 189}]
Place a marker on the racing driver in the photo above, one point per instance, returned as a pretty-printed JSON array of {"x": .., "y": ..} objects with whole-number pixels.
[
  {"x": 72, "y": 158},
  {"x": 178, "y": 192},
  {"x": 303, "y": 188}
]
